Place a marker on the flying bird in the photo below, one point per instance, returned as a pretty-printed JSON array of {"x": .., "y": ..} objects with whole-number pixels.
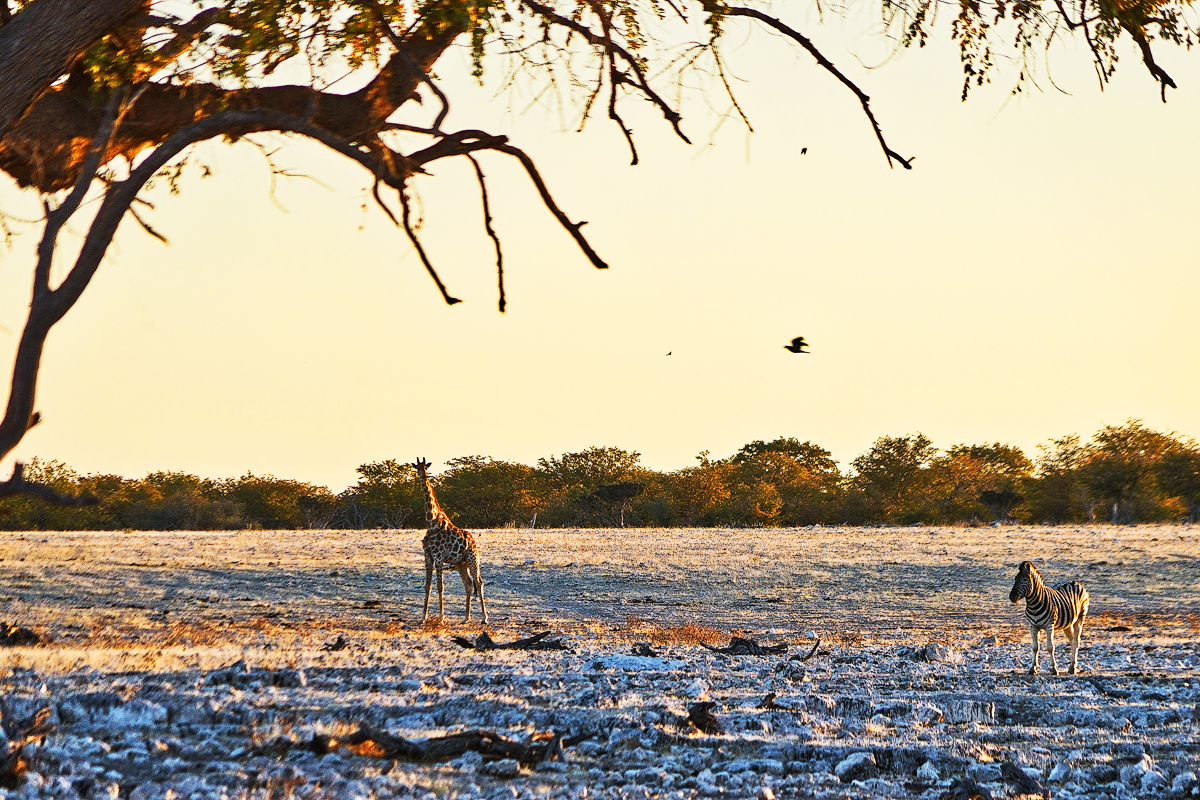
[
  {"x": 669, "y": 353},
  {"x": 797, "y": 346}
]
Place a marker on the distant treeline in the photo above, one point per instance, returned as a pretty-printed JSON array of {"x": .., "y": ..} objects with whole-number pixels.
[{"x": 1124, "y": 474}]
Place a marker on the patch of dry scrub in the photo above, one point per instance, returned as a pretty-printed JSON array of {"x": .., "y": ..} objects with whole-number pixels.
[{"x": 664, "y": 634}]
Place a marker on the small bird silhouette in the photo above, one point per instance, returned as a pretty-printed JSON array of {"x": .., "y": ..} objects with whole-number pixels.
[
  {"x": 668, "y": 354},
  {"x": 797, "y": 346},
  {"x": 803, "y": 150}
]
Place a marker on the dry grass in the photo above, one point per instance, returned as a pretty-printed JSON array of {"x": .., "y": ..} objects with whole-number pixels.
[{"x": 664, "y": 634}]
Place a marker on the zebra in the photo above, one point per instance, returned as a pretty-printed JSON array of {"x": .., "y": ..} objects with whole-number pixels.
[{"x": 1063, "y": 607}]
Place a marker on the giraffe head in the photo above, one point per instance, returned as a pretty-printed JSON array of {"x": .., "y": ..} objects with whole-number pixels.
[{"x": 421, "y": 465}]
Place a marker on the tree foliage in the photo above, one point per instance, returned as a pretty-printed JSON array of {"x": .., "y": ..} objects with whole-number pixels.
[{"x": 898, "y": 480}]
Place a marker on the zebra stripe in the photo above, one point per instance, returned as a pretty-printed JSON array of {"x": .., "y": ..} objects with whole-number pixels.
[{"x": 1063, "y": 607}]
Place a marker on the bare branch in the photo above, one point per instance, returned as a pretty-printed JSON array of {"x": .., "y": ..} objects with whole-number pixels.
[
  {"x": 552, "y": 16},
  {"x": 571, "y": 227},
  {"x": 412, "y": 237},
  {"x": 146, "y": 226},
  {"x": 1158, "y": 72},
  {"x": 806, "y": 43},
  {"x": 487, "y": 225}
]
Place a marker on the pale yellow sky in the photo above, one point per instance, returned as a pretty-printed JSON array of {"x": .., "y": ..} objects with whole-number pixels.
[{"x": 1035, "y": 275}]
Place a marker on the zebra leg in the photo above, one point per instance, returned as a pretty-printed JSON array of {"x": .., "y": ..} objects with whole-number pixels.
[
  {"x": 1033, "y": 631},
  {"x": 1075, "y": 633},
  {"x": 428, "y": 585},
  {"x": 1050, "y": 647},
  {"x": 464, "y": 572}
]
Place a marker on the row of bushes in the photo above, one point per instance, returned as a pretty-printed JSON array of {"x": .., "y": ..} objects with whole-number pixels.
[{"x": 1126, "y": 473}]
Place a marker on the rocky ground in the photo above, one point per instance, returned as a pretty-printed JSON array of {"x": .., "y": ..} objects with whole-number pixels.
[{"x": 196, "y": 665}]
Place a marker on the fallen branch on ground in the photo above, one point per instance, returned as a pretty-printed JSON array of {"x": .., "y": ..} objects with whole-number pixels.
[
  {"x": 811, "y": 653},
  {"x": 373, "y": 742},
  {"x": 13, "y": 761},
  {"x": 747, "y": 647},
  {"x": 538, "y": 641}
]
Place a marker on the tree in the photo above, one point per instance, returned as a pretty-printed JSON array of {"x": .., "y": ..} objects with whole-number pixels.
[
  {"x": 1119, "y": 460},
  {"x": 799, "y": 480},
  {"x": 590, "y": 468},
  {"x": 99, "y": 97},
  {"x": 272, "y": 503},
  {"x": 894, "y": 476},
  {"x": 388, "y": 494},
  {"x": 481, "y": 492},
  {"x": 963, "y": 475},
  {"x": 1055, "y": 493},
  {"x": 1178, "y": 473}
]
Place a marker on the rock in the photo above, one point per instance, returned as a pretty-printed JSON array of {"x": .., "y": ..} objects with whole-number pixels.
[
  {"x": 765, "y": 793},
  {"x": 469, "y": 762},
  {"x": 1183, "y": 782},
  {"x": 1153, "y": 780},
  {"x": 504, "y": 768},
  {"x": 1132, "y": 774},
  {"x": 941, "y": 654},
  {"x": 1021, "y": 782},
  {"x": 928, "y": 772},
  {"x": 984, "y": 773},
  {"x": 810, "y": 634},
  {"x": 926, "y": 714},
  {"x": 636, "y": 664},
  {"x": 960, "y": 711},
  {"x": 698, "y": 689},
  {"x": 1061, "y": 771},
  {"x": 856, "y": 767},
  {"x": 792, "y": 671},
  {"x": 1104, "y": 774},
  {"x": 988, "y": 641}
]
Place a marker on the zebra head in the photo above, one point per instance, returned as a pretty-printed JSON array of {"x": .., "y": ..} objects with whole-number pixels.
[{"x": 1023, "y": 585}]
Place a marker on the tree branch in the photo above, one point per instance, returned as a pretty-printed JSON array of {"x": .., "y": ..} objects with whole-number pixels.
[
  {"x": 41, "y": 150},
  {"x": 571, "y": 227},
  {"x": 412, "y": 237},
  {"x": 806, "y": 43},
  {"x": 593, "y": 38},
  {"x": 1158, "y": 72},
  {"x": 487, "y": 225},
  {"x": 40, "y": 42}
]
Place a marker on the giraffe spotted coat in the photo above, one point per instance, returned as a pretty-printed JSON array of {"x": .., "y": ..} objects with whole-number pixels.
[{"x": 447, "y": 545}]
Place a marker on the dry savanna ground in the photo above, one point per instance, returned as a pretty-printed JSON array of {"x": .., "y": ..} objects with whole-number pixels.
[
  {"x": 200, "y": 665},
  {"x": 170, "y": 599}
]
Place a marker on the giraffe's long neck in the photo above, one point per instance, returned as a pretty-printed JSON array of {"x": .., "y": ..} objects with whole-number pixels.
[{"x": 434, "y": 516}]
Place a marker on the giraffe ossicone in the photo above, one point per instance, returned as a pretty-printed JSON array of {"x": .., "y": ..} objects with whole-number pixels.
[{"x": 447, "y": 545}]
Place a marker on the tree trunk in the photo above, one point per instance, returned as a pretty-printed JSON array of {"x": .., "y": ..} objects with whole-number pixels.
[{"x": 44, "y": 39}]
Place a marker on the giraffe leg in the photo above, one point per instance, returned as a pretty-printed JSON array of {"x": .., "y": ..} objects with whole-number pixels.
[
  {"x": 441, "y": 593},
  {"x": 1034, "y": 633},
  {"x": 479, "y": 588},
  {"x": 464, "y": 572},
  {"x": 428, "y": 585}
]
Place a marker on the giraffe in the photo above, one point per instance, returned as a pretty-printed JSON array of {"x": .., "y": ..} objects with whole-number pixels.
[{"x": 447, "y": 545}]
